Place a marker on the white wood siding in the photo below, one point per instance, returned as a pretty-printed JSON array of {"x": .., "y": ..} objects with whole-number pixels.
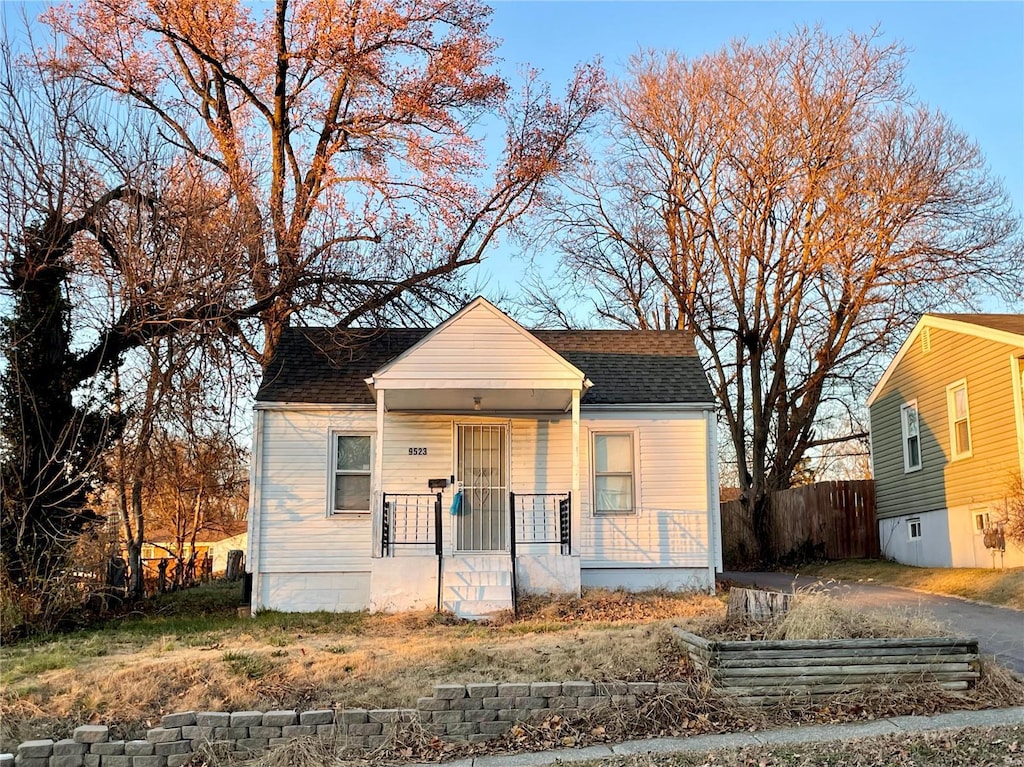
[
  {"x": 302, "y": 548},
  {"x": 670, "y": 528},
  {"x": 404, "y": 473},
  {"x": 296, "y": 533},
  {"x": 542, "y": 455},
  {"x": 480, "y": 347}
]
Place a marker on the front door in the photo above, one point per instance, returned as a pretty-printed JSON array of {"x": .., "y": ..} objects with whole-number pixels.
[{"x": 482, "y": 472}]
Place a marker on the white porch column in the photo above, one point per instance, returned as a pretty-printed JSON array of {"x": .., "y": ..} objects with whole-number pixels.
[
  {"x": 377, "y": 485},
  {"x": 574, "y": 541}
]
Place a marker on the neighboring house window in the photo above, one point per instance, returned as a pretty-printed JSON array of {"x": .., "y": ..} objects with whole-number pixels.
[
  {"x": 959, "y": 420},
  {"x": 613, "y": 474},
  {"x": 914, "y": 529},
  {"x": 911, "y": 437},
  {"x": 350, "y": 489}
]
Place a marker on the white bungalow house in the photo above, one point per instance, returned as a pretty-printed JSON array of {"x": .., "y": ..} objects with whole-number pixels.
[{"x": 459, "y": 466}]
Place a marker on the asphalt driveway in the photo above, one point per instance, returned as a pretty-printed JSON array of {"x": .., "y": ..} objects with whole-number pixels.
[{"x": 999, "y": 630}]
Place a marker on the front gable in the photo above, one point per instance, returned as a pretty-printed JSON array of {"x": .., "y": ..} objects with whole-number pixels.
[
  {"x": 920, "y": 337},
  {"x": 479, "y": 348}
]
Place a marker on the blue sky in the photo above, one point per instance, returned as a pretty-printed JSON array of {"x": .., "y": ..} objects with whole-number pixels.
[{"x": 965, "y": 58}]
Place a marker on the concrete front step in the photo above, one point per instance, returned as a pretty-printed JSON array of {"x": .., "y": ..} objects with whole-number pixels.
[
  {"x": 474, "y": 585},
  {"x": 478, "y": 610}
]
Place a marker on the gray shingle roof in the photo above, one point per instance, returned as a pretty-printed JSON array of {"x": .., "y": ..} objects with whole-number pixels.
[
  {"x": 1011, "y": 323},
  {"x": 325, "y": 365}
]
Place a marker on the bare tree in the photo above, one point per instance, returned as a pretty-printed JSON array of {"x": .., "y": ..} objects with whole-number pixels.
[
  {"x": 340, "y": 132},
  {"x": 104, "y": 238},
  {"x": 793, "y": 207},
  {"x": 51, "y": 434},
  {"x": 1013, "y": 510},
  {"x": 180, "y": 472}
]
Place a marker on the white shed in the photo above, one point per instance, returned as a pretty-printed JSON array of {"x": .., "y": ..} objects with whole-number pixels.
[{"x": 459, "y": 466}]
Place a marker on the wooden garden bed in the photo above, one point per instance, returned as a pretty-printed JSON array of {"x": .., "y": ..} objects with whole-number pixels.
[{"x": 761, "y": 670}]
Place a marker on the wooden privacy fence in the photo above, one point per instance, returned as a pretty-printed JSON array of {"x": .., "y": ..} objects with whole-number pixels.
[
  {"x": 760, "y": 671},
  {"x": 834, "y": 520}
]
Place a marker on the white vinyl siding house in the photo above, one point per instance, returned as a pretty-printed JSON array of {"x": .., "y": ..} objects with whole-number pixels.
[{"x": 493, "y": 461}]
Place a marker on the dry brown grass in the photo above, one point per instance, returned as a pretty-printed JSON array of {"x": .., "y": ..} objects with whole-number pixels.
[
  {"x": 972, "y": 747},
  {"x": 817, "y": 615},
  {"x": 376, "y": 661},
  {"x": 995, "y": 586},
  {"x": 382, "y": 660}
]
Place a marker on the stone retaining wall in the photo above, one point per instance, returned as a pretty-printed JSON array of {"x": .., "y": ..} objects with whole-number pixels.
[{"x": 455, "y": 712}]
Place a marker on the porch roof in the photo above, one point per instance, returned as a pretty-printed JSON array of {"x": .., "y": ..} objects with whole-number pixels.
[{"x": 330, "y": 365}]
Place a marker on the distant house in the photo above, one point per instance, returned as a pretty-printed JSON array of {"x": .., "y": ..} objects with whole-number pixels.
[
  {"x": 210, "y": 543},
  {"x": 947, "y": 439},
  {"x": 459, "y": 465}
]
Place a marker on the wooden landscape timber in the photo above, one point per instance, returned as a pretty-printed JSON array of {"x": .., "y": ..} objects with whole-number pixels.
[{"x": 760, "y": 671}]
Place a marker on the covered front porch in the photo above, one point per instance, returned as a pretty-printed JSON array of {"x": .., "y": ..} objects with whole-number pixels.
[
  {"x": 417, "y": 560},
  {"x": 476, "y": 468}
]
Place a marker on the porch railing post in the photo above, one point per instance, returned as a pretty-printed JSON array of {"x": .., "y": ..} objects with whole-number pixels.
[
  {"x": 438, "y": 549},
  {"x": 565, "y": 522},
  {"x": 512, "y": 548},
  {"x": 384, "y": 525}
]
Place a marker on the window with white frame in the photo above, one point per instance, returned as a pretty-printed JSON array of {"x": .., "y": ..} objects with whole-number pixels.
[
  {"x": 911, "y": 428},
  {"x": 614, "y": 487},
  {"x": 914, "y": 529},
  {"x": 959, "y": 420},
  {"x": 350, "y": 480}
]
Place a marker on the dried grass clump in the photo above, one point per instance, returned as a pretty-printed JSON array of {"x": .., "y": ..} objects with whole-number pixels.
[{"x": 815, "y": 615}]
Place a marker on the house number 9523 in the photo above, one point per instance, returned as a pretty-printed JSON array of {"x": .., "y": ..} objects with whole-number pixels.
[{"x": 417, "y": 451}]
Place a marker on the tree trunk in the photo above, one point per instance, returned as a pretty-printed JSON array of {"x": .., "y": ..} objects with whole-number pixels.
[
  {"x": 759, "y": 505},
  {"x": 756, "y": 605},
  {"x": 136, "y": 584}
]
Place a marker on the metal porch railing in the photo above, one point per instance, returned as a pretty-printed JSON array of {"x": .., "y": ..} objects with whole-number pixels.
[
  {"x": 538, "y": 519},
  {"x": 412, "y": 520}
]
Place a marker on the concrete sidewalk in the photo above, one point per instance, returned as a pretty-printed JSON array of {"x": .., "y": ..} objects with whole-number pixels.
[{"x": 793, "y": 735}]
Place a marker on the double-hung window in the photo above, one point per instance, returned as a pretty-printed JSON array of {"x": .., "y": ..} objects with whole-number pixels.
[
  {"x": 911, "y": 428},
  {"x": 350, "y": 481},
  {"x": 614, "y": 474},
  {"x": 959, "y": 420}
]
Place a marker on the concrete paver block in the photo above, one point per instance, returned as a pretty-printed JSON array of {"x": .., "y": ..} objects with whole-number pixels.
[
  {"x": 182, "y": 719},
  {"x": 92, "y": 733},
  {"x": 213, "y": 718}
]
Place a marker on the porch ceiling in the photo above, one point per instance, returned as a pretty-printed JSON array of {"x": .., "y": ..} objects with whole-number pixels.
[{"x": 464, "y": 400}]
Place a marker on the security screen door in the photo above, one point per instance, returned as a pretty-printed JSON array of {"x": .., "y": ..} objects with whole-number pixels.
[{"x": 482, "y": 523}]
